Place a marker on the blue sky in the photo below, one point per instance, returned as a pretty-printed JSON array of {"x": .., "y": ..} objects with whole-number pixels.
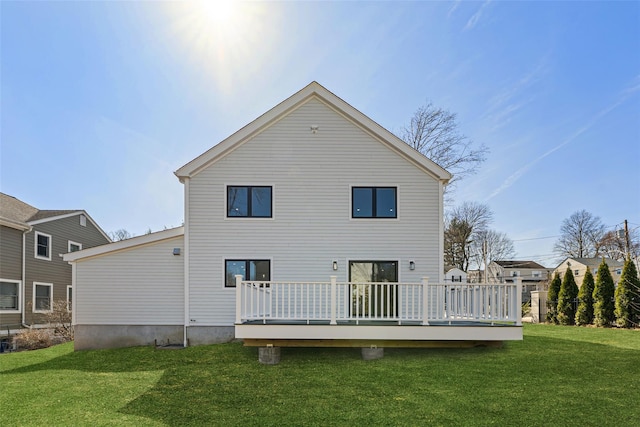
[{"x": 102, "y": 101}]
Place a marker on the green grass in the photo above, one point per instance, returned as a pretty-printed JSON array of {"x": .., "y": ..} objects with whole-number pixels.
[{"x": 557, "y": 376}]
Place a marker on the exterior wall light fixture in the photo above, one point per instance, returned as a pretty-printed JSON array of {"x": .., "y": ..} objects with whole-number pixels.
[
  {"x": 412, "y": 265},
  {"x": 335, "y": 265}
]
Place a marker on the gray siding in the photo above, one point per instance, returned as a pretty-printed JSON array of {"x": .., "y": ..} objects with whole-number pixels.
[
  {"x": 10, "y": 266},
  {"x": 311, "y": 175},
  {"x": 55, "y": 271},
  {"x": 143, "y": 285}
]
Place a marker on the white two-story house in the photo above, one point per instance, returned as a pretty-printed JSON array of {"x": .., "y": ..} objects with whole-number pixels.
[{"x": 311, "y": 223}]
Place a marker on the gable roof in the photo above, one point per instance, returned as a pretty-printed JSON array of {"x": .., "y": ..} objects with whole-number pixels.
[
  {"x": 519, "y": 264},
  {"x": 313, "y": 90},
  {"x": 17, "y": 214},
  {"x": 593, "y": 263}
]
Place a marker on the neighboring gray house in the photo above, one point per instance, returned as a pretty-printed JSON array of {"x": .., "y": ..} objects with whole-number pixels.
[
  {"x": 311, "y": 225},
  {"x": 579, "y": 266},
  {"x": 32, "y": 271}
]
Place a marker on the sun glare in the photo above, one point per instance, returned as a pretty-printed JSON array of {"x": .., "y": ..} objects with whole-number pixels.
[{"x": 221, "y": 36}]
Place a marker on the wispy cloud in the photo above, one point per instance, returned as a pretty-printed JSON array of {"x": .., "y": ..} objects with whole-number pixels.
[
  {"x": 473, "y": 21},
  {"x": 453, "y": 8},
  {"x": 508, "y": 102},
  {"x": 624, "y": 95}
]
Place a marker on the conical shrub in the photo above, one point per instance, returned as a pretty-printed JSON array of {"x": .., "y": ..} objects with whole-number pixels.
[
  {"x": 584, "y": 315},
  {"x": 603, "y": 294},
  {"x": 566, "y": 299},
  {"x": 552, "y": 299},
  {"x": 626, "y": 296}
]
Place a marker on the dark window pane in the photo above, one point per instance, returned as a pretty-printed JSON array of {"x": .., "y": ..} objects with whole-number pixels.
[
  {"x": 233, "y": 268},
  {"x": 385, "y": 202},
  {"x": 259, "y": 270},
  {"x": 237, "y": 201},
  {"x": 43, "y": 295},
  {"x": 8, "y": 296},
  {"x": 362, "y": 203},
  {"x": 43, "y": 246},
  {"x": 385, "y": 272},
  {"x": 261, "y": 201}
]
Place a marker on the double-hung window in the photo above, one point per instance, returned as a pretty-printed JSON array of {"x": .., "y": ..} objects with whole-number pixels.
[
  {"x": 374, "y": 202},
  {"x": 42, "y": 246},
  {"x": 249, "y": 201},
  {"x": 42, "y": 297},
  {"x": 258, "y": 270},
  {"x": 9, "y": 295}
]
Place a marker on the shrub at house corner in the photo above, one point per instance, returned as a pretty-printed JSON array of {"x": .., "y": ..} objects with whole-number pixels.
[
  {"x": 627, "y": 297},
  {"x": 603, "y": 293},
  {"x": 566, "y": 297},
  {"x": 552, "y": 299},
  {"x": 584, "y": 315}
]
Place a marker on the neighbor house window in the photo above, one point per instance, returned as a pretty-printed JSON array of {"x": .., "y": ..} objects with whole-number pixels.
[
  {"x": 9, "y": 295},
  {"x": 249, "y": 202},
  {"x": 515, "y": 273},
  {"x": 258, "y": 270},
  {"x": 42, "y": 246},
  {"x": 374, "y": 202},
  {"x": 618, "y": 271},
  {"x": 74, "y": 247},
  {"x": 535, "y": 274},
  {"x": 576, "y": 272},
  {"x": 69, "y": 297},
  {"x": 42, "y": 297}
]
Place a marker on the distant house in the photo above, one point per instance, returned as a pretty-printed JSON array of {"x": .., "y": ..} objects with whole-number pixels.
[
  {"x": 579, "y": 266},
  {"x": 532, "y": 274},
  {"x": 310, "y": 226},
  {"x": 455, "y": 275},
  {"x": 32, "y": 272}
]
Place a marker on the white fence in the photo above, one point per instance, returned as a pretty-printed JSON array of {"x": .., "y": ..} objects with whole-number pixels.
[{"x": 332, "y": 302}]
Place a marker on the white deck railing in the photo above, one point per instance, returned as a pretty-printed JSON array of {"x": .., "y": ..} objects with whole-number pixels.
[{"x": 333, "y": 302}]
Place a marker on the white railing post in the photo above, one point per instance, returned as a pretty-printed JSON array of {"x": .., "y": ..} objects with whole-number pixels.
[
  {"x": 333, "y": 301},
  {"x": 519, "y": 301},
  {"x": 238, "y": 298},
  {"x": 425, "y": 300}
]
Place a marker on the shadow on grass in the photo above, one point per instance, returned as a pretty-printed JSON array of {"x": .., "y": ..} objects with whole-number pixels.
[{"x": 225, "y": 385}]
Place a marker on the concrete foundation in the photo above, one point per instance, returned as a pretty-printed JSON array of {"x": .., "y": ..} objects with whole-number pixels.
[
  {"x": 269, "y": 355},
  {"x": 203, "y": 335},
  {"x": 93, "y": 337},
  {"x": 372, "y": 353}
]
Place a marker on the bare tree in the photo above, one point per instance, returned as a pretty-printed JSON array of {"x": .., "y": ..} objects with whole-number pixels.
[
  {"x": 580, "y": 236},
  {"x": 120, "y": 234},
  {"x": 614, "y": 245},
  {"x": 463, "y": 225},
  {"x": 434, "y": 132},
  {"x": 491, "y": 245}
]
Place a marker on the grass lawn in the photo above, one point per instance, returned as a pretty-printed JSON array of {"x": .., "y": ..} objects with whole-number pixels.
[{"x": 557, "y": 376}]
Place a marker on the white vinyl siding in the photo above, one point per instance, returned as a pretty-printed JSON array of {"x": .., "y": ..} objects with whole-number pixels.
[
  {"x": 312, "y": 225},
  {"x": 143, "y": 285}
]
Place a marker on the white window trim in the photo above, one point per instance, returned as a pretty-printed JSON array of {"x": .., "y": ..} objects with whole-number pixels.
[
  {"x": 19, "y": 283},
  {"x": 250, "y": 218},
  {"x": 69, "y": 288},
  {"x": 377, "y": 219},
  {"x": 33, "y": 307},
  {"x": 71, "y": 242},
  {"x": 35, "y": 245},
  {"x": 83, "y": 220}
]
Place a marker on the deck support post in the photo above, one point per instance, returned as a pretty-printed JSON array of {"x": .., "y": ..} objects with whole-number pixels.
[
  {"x": 269, "y": 355},
  {"x": 372, "y": 353},
  {"x": 425, "y": 300},
  {"x": 333, "y": 301},
  {"x": 238, "y": 299}
]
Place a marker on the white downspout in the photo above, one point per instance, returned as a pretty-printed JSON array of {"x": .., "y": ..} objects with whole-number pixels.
[
  {"x": 440, "y": 233},
  {"x": 23, "y": 291},
  {"x": 187, "y": 315}
]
